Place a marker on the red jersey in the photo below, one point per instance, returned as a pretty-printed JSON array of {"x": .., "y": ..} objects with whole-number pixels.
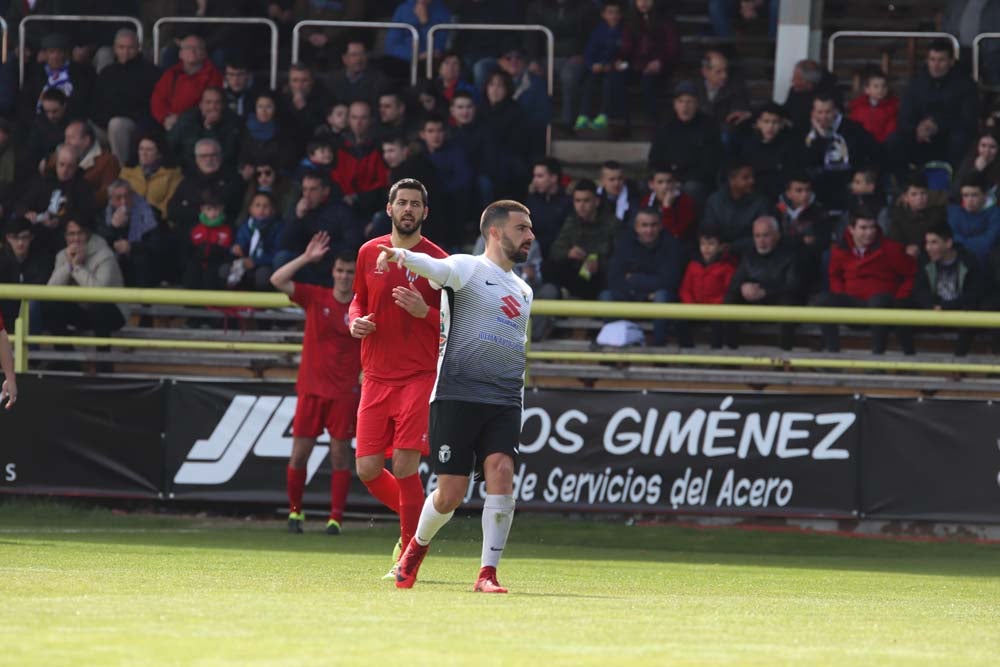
[
  {"x": 402, "y": 346},
  {"x": 331, "y": 358},
  {"x": 1, "y": 322}
]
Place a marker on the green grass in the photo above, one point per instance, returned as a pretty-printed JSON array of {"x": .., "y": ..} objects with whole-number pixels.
[{"x": 88, "y": 587}]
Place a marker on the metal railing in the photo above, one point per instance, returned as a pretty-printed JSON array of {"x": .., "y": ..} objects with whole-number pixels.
[
  {"x": 373, "y": 25},
  {"x": 75, "y": 18},
  {"x": 21, "y": 339},
  {"x": 881, "y": 34},
  {"x": 550, "y": 50},
  {"x": 975, "y": 51},
  {"x": 232, "y": 21}
]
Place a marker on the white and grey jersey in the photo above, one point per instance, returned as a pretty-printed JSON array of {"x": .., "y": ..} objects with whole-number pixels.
[{"x": 484, "y": 322}]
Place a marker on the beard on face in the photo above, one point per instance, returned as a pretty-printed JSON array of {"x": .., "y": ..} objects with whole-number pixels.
[
  {"x": 407, "y": 226},
  {"x": 513, "y": 253}
]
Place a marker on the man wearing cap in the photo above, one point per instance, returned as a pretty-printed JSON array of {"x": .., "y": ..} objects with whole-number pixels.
[
  {"x": 181, "y": 86},
  {"x": 57, "y": 71},
  {"x": 689, "y": 144}
]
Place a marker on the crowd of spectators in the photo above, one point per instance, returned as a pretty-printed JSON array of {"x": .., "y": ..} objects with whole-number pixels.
[{"x": 114, "y": 171}]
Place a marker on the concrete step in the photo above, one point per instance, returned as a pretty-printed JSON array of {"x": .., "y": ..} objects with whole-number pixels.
[{"x": 576, "y": 151}]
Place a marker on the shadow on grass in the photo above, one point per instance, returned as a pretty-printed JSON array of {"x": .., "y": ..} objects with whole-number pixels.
[{"x": 37, "y": 523}]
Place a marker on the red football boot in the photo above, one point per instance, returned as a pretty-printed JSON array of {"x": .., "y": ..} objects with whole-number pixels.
[
  {"x": 487, "y": 582},
  {"x": 409, "y": 564}
]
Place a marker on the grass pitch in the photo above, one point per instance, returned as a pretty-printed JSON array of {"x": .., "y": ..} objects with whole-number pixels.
[{"x": 82, "y": 587}]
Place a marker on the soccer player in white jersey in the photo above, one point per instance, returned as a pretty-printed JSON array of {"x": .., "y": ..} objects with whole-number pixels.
[{"x": 475, "y": 421}]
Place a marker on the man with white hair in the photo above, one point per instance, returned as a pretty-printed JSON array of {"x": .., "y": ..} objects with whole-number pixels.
[
  {"x": 767, "y": 275},
  {"x": 121, "y": 97}
]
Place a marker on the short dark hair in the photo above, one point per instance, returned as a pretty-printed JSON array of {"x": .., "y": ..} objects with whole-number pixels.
[
  {"x": 393, "y": 93},
  {"x": 353, "y": 39},
  {"x": 319, "y": 176},
  {"x": 496, "y": 214},
  {"x": 663, "y": 168},
  {"x": 268, "y": 195},
  {"x": 710, "y": 231},
  {"x": 862, "y": 208},
  {"x": 614, "y": 165},
  {"x": 824, "y": 97},
  {"x": 648, "y": 210},
  {"x": 940, "y": 228},
  {"x": 17, "y": 225},
  {"x": 54, "y": 95},
  {"x": 620, "y": 4},
  {"x": 737, "y": 164},
  {"x": 772, "y": 108},
  {"x": 85, "y": 127},
  {"x": 553, "y": 165},
  {"x": 975, "y": 179},
  {"x": 236, "y": 60},
  {"x": 872, "y": 72},
  {"x": 916, "y": 179},
  {"x": 870, "y": 174},
  {"x": 942, "y": 45},
  {"x": 316, "y": 144},
  {"x": 408, "y": 184},
  {"x": 431, "y": 118},
  {"x": 798, "y": 177},
  {"x": 397, "y": 138},
  {"x": 346, "y": 256},
  {"x": 463, "y": 94},
  {"x": 585, "y": 185}
]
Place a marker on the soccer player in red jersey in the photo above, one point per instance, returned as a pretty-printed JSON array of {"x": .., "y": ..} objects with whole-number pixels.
[
  {"x": 396, "y": 315},
  {"x": 8, "y": 390},
  {"x": 327, "y": 386}
]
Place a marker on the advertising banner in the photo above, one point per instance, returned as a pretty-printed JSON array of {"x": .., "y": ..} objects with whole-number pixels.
[
  {"x": 931, "y": 459},
  {"x": 79, "y": 436}
]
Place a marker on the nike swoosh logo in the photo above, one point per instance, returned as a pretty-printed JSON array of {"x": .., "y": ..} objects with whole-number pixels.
[
  {"x": 491, "y": 284},
  {"x": 495, "y": 549}
]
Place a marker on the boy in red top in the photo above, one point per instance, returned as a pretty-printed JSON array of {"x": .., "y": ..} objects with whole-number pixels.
[
  {"x": 706, "y": 280},
  {"x": 327, "y": 385},
  {"x": 876, "y": 109},
  {"x": 8, "y": 390},
  {"x": 868, "y": 270},
  {"x": 676, "y": 206},
  {"x": 396, "y": 314}
]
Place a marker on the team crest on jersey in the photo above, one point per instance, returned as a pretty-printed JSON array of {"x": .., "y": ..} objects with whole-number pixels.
[
  {"x": 411, "y": 276},
  {"x": 347, "y": 320},
  {"x": 511, "y": 308},
  {"x": 444, "y": 454}
]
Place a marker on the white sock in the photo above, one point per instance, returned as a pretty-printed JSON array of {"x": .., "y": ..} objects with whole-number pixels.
[
  {"x": 431, "y": 521},
  {"x": 498, "y": 513}
]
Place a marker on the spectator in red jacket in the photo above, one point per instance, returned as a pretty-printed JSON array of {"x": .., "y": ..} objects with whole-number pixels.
[
  {"x": 876, "y": 109},
  {"x": 706, "y": 280},
  {"x": 211, "y": 240},
  {"x": 360, "y": 171},
  {"x": 676, "y": 206},
  {"x": 868, "y": 270},
  {"x": 181, "y": 86}
]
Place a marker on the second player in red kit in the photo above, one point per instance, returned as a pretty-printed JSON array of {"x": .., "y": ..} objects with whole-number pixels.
[
  {"x": 396, "y": 314},
  {"x": 327, "y": 385}
]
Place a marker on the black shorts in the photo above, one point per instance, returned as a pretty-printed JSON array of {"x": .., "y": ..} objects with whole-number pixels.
[{"x": 463, "y": 434}]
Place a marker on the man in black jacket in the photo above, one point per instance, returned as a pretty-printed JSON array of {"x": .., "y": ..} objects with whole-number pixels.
[
  {"x": 689, "y": 143},
  {"x": 301, "y": 109},
  {"x": 403, "y": 162},
  {"x": 211, "y": 119},
  {"x": 949, "y": 278},
  {"x": 57, "y": 71},
  {"x": 59, "y": 193},
  {"x": 767, "y": 275},
  {"x": 22, "y": 262},
  {"x": 733, "y": 208},
  {"x": 121, "y": 97},
  {"x": 318, "y": 211},
  {"x": 940, "y": 105},
  {"x": 646, "y": 265},
  {"x": 548, "y": 202}
]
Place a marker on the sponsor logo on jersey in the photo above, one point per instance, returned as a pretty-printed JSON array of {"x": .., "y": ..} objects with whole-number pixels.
[{"x": 511, "y": 307}]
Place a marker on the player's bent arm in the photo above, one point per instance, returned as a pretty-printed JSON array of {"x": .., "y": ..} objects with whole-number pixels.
[{"x": 282, "y": 278}]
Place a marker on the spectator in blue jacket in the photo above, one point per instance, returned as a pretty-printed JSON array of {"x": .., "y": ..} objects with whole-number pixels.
[
  {"x": 605, "y": 65},
  {"x": 646, "y": 266},
  {"x": 422, "y": 15},
  {"x": 458, "y": 179},
  {"x": 255, "y": 247},
  {"x": 531, "y": 94},
  {"x": 975, "y": 227}
]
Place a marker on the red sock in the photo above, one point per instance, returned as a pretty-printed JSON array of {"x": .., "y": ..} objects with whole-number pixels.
[
  {"x": 296, "y": 482},
  {"x": 339, "y": 483},
  {"x": 385, "y": 488},
  {"x": 411, "y": 501}
]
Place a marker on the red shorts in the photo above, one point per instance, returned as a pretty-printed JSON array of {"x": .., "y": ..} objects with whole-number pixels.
[
  {"x": 337, "y": 415},
  {"x": 394, "y": 417}
]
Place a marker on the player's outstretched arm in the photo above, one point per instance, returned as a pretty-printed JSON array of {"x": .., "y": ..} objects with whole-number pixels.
[
  {"x": 8, "y": 390},
  {"x": 432, "y": 268},
  {"x": 282, "y": 278}
]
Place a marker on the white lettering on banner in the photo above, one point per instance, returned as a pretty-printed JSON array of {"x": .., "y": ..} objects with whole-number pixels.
[
  {"x": 693, "y": 490},
  {"x": 10, "y": 472},
  {"x": 602, "y": 487},
  {"x": 710, "y": 434},
  {"x": 250, "y": 422}
]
